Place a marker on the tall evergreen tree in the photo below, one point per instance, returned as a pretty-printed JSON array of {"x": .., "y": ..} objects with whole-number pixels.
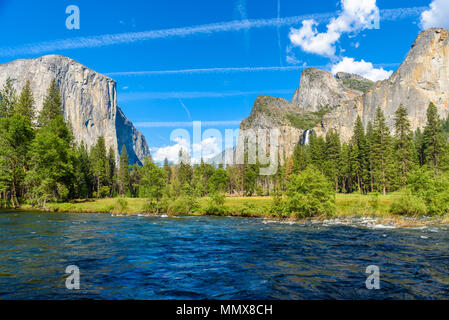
[
  {"x": 25, "y": 104},
  {"x": 52, "y": 106},
  {"x": 8, "y": 99},
  {"x": 123, "y": 173},
  {"x": 382, "y": 150},
  {"x": 167, "y": 170},
  {"x": 111, "y": 168},
  {"x": 16, "y": 135},
  {"x": 332, "y": 157},
  {"x": 83, "y": 174},
  {"x": 359, "y": 156},
  {"x": 433, "y": 143},
  {"x": 404, "y": 147},
  {"x": 99, "y": 162}
]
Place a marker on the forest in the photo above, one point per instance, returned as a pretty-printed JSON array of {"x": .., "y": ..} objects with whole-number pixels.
[{"x": 40, "y": 163}]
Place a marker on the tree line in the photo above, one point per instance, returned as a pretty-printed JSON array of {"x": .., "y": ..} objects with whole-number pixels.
[{"x": 40, "y": 161}]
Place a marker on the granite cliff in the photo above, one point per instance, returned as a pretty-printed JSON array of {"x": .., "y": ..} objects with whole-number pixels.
[
  {"x": 326, "y": 102},
  {"x": 89, "y": 101}
]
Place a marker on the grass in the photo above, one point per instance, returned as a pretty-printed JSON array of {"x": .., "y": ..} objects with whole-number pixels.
[{"x": 348, "y": 206}]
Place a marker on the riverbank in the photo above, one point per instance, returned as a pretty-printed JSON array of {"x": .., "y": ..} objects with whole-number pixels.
[{"x": 350, "y": 207}]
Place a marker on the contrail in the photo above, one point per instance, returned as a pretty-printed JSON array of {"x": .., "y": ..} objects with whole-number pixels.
[
  {"x": 184, "y": 107},
  {"x": 227, "y": 70},
  {"x": 204, "y": 70},
  {"x": 185, "y": 124},
  {"x": 133, "y": 96},
  {"x": 207, "y": 29}
]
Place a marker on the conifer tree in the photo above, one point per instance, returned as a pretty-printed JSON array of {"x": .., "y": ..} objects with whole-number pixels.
[
  {"x": 404, "y": 148},
  {"x": 382, "y": 150},
  {"x": 25, "y": 104},
  {"x": 52, "y": 106},
  {"x": 359, "y": 156},
  {"x": 433, "y": 143},
  {"x": 123, "y": 173},
  {"x": 332, "y": 157},
  {"x": 99, "y": 163},
  {"x": 8, "y": 99},
  {"x": 167, "y": 170}
]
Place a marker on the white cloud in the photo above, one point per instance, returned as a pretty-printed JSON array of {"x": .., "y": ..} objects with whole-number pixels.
[
  {"x": 206, "y": 149},
  {"x": 362, "y": 68},
  {"x": 355, "y": 16},
  {"x": 171, "y": 152},
  {"x": 437, "y": 16}
]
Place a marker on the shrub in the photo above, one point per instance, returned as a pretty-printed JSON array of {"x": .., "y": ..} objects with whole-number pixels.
[
  {"x": 408, "y": 204},
  {"x": 184, "y": 204},
  {"x": 277, "y": 207},
  {"x": 432, "y": 189},
  {"x": 249, "y": 209},
  {"x": 216, "y": 204},
  {"x": 120, "y": 205},
  {"x": 309, "y": 193},
  {"x": 105, "y": 191},
  {"x": 374, "y": 201}
]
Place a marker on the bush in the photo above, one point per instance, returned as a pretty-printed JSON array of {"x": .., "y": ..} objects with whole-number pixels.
[
  {"x": 184, "y": 204},
  {"x": 278, "y": 205},
  {"x": 309, "y": 193},
  {"x": 250, "y": 209},
  {"x": 216, "y": 204},
  {"x": 432, "y": 189},
  {"x": 408, "y": 204},
  {"x": 374, "y": 201},
  {"x": 105, "y": 191},
  {"x": 120, "y": 205}
]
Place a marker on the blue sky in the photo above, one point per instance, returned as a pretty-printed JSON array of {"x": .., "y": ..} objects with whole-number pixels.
[{"x": 242, "y": 48}]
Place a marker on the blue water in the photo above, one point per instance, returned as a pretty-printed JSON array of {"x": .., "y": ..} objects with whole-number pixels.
[{"x": 137, "y": 257}]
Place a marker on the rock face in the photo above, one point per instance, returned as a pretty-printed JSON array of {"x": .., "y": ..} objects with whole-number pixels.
[
  {"x": 324, "y": 102},
  {"x": 270, "y": 113},
  {"x": 89, "y": 101},
  {"x": 320, "y": 89},
  {"x": 422, "y": 78}
]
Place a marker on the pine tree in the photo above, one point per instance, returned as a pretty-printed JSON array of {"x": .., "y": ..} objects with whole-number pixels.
[
  {"x": 25, "y": 104},
  {"x": 52, "y": 176},
  {"x": 369, "y": 148},
  {"x": 404, "y": 148},
  {"x": 83, "y": 174},
  {"x": 382, "y": 149},
  {"x": 332, "y": 157},
  {"x": 52, "y": 107},
  {"x": 418, "y": 139},
  {"x": 317, "y": 150},
  {"x": 123, "y": 173},
  {"x": 16, "y": 135},
  {"x": 99, "y": 160},
  {"x": 360, "y": 156},
  {"x": 8, "y": 99},
  {"x": 167, "y": 170},
  {"x": 301, "y": 158},
  {"x": 433, "y": 143},
  {"x": 111, "y": 168}
]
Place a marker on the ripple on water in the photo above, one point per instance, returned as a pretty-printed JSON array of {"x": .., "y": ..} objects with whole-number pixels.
[{"x": 148, "y": 257}]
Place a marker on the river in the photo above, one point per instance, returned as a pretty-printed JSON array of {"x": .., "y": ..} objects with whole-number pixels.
[{"x": 141, "y": 257}]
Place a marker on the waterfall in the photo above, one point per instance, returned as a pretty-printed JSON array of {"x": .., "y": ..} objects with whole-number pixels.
[{"x": 306, "y": 140}]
